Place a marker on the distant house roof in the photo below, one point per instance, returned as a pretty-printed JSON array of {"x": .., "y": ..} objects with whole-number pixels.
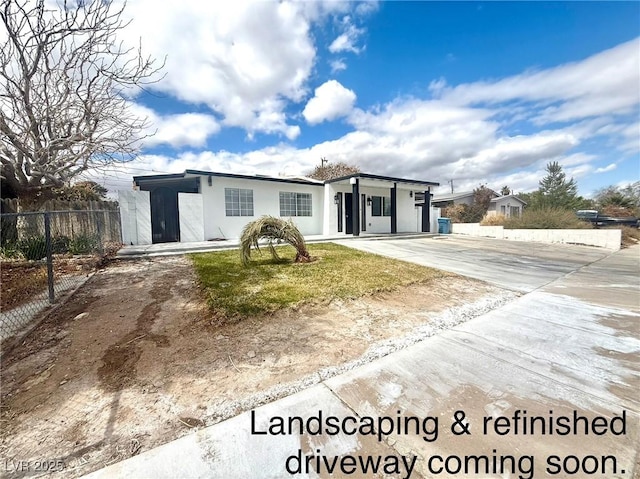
[
  {"x": 455, "y": 196},
  {"x": 493, "y": 200}
]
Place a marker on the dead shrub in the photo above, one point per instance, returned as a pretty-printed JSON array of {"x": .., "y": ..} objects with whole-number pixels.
[
  {"x": 493, "y": 220},
  {"x": 546, "y": 218}
]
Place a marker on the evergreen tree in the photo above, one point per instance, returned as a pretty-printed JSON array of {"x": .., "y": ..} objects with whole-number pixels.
[{"x": 555, "y": 191}]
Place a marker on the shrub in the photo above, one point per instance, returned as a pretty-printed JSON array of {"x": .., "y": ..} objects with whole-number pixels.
[
  {"x": 60, "y": 244},
  {"x": 464, "y": 213},
  {"x": 33, "y": 248},
  {"x": 272, "y": 229},
  {"x": 83, "y": 244},
  {"x": 546, "y": 218},
  {"x": 617, "y": 211},
  {"x": 493, "y": 220},
  {"x": 453, "y": 212},
  {"x": 10, "y": 251}
]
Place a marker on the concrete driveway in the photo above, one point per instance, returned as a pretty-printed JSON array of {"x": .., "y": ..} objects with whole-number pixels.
[
  {"x": 514, "y": 265},
  {"x": 545, "y": 386}
]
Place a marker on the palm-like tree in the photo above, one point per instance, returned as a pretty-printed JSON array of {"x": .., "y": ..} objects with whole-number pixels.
[{"x": 272, "y": 229}]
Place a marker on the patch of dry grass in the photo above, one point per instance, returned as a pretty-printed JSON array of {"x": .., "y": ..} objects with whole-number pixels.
[{"x": 266, "y": 285}]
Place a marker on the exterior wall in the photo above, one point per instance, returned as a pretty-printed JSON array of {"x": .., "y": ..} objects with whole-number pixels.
[
  {"x": 266, "y": 201},
  {"x": 191, "y": 217},
  {"x": 405, "y": 208},
  {"x": 495, "y": 207},
  {"x": 135, "y": 214},
  {"x": 609, "y": 239},
  {"x": 435, "y": 214}
]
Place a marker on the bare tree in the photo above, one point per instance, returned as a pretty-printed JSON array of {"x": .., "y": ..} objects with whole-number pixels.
[
  {"x": 328, "y": 171},
  {"x": 66, "y": 83}
]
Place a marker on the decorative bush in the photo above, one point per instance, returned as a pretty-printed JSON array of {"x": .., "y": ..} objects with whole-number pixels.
[
  {"x": 272, "y": 229},
  {"x": 546, "y": 218}
]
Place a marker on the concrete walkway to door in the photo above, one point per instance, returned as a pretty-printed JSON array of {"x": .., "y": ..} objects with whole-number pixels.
[{"x": 568, "y": 348}]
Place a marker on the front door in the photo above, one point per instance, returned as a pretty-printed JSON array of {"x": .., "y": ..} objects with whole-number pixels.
[
  {"x": 164, "y": 215},
  {"x": 348, "y": 213}
]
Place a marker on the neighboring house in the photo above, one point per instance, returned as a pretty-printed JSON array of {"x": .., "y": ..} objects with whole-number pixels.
[
  {"x": 508, "y": 205},
  {"x": 202, "y": 205},
  {"x": 462, "y": 198}
]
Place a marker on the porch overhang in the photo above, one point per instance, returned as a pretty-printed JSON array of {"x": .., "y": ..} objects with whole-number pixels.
[{"x": 378, "y": 181}]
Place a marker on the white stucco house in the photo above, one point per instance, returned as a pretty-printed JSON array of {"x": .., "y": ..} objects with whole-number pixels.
[
  {"x": 508, "y": 205},
  {"x": 203, "y": 205}
]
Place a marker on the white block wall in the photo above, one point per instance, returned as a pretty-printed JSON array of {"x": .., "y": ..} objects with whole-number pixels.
[
  {"x": 609, "y": 238},
  {"x": 190, "y": 211},
  {"x": 135, "y": 214}
]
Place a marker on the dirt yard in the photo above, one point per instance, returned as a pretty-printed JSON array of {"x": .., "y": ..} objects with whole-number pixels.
[{"x": 133, "y": 360}]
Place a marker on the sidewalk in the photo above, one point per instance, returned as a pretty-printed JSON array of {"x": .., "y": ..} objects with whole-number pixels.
[{"x": 566, "y": 355}]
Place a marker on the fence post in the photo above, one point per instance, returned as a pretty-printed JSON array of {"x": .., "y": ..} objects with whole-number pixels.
[
  {"x": 97, "y": 218},
  {"x": 47, "y": 236}
]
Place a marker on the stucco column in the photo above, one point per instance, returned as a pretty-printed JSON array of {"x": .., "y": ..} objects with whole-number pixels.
[
  {"x": 394, "y": 209},
  {"x": 426, "y": 213},
  {"x": 355, "y": 189}
]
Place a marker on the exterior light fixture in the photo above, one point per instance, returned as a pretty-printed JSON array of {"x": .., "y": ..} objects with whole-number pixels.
[
  {"x": 210, "y": 180},
  {"x": 368, "y": 200},
  {"x": 336, "y": 199},
  {"x": 411, "y": 194}
]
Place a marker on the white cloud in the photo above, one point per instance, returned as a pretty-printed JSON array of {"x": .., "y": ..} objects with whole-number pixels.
[
  {"x": 176, "y": 130},
  {"x": 347, "y": 41},
  {"x": 331, "y": 101},
  {"x": 605, "y": 83},
  {"x": 245, "y": 60},
  {"x": 338, "y": 65},
  {"x": 609, "y": 167}
]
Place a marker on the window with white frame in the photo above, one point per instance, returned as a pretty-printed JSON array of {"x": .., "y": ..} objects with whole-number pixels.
[
  {"x": 295, "y": 204},
  {"x": 380, "y": 206},
  {"x": 238, "y": 202}
]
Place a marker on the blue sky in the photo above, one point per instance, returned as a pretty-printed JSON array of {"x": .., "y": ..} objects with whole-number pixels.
[{"x": 478, "y": 92}]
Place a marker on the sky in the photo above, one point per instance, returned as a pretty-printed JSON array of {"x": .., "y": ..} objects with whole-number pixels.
[{"x": 474, "y": 93}]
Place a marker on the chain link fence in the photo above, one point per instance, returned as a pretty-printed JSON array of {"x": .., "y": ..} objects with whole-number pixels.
[{"x": 46, "y": 255}]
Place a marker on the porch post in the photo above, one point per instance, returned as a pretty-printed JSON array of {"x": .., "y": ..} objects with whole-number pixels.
[
  {"x": 355, "y": 189},
  {"x": 394, "y": 209},
  {"x": 426, "y": 212}
]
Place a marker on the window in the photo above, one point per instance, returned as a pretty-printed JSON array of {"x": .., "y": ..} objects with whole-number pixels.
[
  {"x": 238, "y": 202},
  {"x": 380, "y": 206},
  {"x": 515, "y": 211},
  {"x": 295, "y": 204},
  {"x": 503, "y": 209}
]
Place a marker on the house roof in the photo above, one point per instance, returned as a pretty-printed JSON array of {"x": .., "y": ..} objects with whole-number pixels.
[
  {"x": 292, "y": 179},
  {"x": 452, "y": 196},
  {"x": 379, "y": 178},
  {"x": 280, "y": 179},
  {"x": 493, "y": 200}
]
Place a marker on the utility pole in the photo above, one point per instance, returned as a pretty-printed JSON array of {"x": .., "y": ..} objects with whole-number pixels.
[
  {"x": 323, "y": 160},
  {"x": 451, "y": 183}
]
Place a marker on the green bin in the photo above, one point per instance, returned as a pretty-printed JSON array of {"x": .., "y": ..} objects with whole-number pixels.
[{"x": 444, "y": 226}]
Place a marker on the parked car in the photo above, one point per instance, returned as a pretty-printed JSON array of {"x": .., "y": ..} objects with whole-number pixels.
[{"x": 599, "y": 220}]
